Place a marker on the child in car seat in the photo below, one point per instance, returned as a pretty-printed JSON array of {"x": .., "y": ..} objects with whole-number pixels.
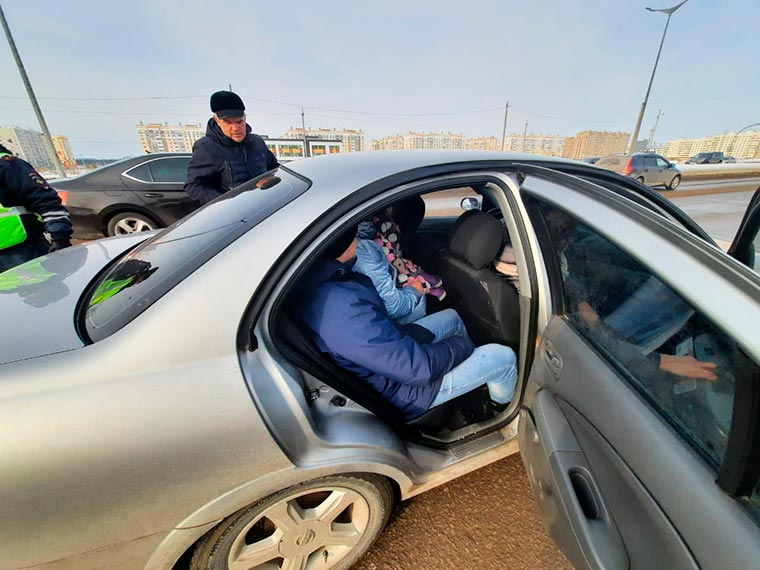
[{"x": 386, "y": 233}]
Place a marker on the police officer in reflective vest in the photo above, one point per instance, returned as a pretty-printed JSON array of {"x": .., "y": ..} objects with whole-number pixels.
[{"x": 29, "y": 208}]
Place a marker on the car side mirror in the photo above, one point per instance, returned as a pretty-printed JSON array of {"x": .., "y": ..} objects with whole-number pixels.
[
  {"x": 671, "y": 165},
  {"x": 470, "y": 203}
]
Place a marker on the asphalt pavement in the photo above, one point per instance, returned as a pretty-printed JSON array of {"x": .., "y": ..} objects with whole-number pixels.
[{"x": 484, "y": 520}]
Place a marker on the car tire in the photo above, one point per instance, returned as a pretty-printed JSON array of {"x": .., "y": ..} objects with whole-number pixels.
[
  {"x": 640, "y": 179},
  {"x": 296, "y": 527},
  {"x": 125, "y": 223},
  {"x": 674, "y": 183}
]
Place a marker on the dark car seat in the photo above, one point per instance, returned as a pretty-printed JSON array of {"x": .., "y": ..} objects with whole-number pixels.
[
  {"x": 408, "y": 214},
  {"x": 485, "y": 299}
]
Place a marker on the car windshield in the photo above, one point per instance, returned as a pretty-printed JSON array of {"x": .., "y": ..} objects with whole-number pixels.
[{"x": 145, "y": 274}]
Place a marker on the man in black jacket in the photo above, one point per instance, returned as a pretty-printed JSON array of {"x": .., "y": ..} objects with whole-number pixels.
[
  {"x": 29, "y": 207},
  {"x": 229, "y": 154}
]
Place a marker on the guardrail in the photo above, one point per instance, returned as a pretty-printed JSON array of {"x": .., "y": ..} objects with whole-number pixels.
[{"x": 720, "y": 171}]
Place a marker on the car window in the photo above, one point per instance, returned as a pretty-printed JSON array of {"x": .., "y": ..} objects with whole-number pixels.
[
  {"x": 670, "y": 353},
  {"x": 172, "y": 169},
  {"x": 661, "y": 162},
  {"x": 140, "y": 172},
  {"x": 650, "y": 162},
  {"x": 148, "y": 272}
]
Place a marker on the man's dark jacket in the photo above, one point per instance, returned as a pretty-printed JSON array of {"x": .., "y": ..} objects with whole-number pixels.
[
  {"x": 220, "y": 164},
  {"x": 348, "y": 321},
  {"x": 21, "y": 185}
]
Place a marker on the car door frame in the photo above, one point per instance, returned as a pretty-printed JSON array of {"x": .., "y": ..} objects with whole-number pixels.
[
  {"x": 742, "y": 247},
  {"x": 164, "y": 200},
  {"x": 580, "y": 427}
]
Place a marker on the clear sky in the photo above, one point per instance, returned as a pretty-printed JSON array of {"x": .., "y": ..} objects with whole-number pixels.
[{"x": 385, "y": 67}]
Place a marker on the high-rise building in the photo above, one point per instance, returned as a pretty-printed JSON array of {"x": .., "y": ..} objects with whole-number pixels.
[
  {"x": 742, "y": 146},
  {"x": 155, "y": 137},
  {"x": 64, "y": 152},
  {"x": 482, "y": 143},
  {"x": 546, "y": 145},
  {"x": 595, "y": 143},
  {"x": 418, "y": 141},
  {"x": 28, "y": 144},
  {"x": 351, "y": 140}
]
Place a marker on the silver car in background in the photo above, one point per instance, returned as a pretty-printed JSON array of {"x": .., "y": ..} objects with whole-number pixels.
[
  {"x": 646, "y": 167},
  {"x": 161, "y": 408}
]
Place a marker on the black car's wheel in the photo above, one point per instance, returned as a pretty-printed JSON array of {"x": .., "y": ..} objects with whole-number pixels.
[
  {"x": 128, "y": 223},
  {"x": 327, "y": 524},
  {"x": 674, "y": 183}
]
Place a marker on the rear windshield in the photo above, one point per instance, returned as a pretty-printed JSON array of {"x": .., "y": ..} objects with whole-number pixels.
[{"x": 145, "y": 274}]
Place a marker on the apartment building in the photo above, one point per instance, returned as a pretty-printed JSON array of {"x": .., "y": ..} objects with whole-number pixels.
[
  {"x": 64, "y": 152},
  {"x": 351, "y": 140},
  {"x": 595, "y": 143},
  {"x": 29, "y": 145},
  {"x": 482, "y": 143},
  {"x": 546, "y": 145},
  {"x": 744, "y": 145},
  {"x": 419, "y": 141},
  {"x": 156, "y": 137}
]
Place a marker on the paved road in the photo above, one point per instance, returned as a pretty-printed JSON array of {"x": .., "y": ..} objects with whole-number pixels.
[
  {"x": 482, "y": 521},
  {"x": 719, "y": 214}
]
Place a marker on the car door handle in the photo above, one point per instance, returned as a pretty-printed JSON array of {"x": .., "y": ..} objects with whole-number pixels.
[
  {"x": 153, "y": 195},
  {"x": 553, "y": 359}
]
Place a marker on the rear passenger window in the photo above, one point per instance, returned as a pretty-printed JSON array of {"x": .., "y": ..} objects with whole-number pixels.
[
  {"x": 681, "y": 363},
  {"x": 170, "y": 169}
]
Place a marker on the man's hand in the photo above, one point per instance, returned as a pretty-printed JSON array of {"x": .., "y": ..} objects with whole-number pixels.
[
  {"x": 688, "y": 366},
  {"x": 588, "y": 314},
  {"x": 59, "y": 244}
]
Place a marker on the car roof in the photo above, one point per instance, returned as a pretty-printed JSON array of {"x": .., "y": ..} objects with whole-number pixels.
[{"x": 363, "y": 168}]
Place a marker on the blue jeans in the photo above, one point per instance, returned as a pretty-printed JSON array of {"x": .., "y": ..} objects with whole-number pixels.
[{"x": 491, "y": 364}]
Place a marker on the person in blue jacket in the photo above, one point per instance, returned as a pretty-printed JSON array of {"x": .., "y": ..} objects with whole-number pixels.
[
  {"x": 229, "y": 154},
  {"x": 415, "y": 366}
]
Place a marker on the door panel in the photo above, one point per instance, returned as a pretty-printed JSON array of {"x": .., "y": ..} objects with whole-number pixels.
[
  {"x": 628, "y": 296},
  {"x": 567, "y": 496}
]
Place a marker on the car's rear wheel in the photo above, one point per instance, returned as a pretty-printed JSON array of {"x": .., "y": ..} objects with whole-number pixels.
[
  {"x": 326, "y": 524},
  {"x": 125, "y": 223},
  {"x": 640, "y": 179},
  {"x": 675, "y": 182}
]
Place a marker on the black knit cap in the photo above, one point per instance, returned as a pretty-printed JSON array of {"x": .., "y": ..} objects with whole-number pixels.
[
  {"x": 339, "y": 245},
  {"x": 227, "y": 104}
]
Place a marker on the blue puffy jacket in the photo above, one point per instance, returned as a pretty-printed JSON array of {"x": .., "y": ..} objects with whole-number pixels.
[
  {"x": 220, "y": 164},
  {"x": 404, "y": 304},
  {"x": 348, "y": 321}
]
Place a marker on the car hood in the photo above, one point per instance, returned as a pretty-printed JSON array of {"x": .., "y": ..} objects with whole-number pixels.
[{"x": 38, "y": 299}]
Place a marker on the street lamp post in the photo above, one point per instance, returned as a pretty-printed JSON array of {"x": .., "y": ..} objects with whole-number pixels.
[
  {"x": 637, "y": 128},
  {"x": 37, "y": 111}
]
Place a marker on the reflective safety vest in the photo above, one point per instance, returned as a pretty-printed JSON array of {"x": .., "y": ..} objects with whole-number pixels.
[
  {"x": 12, "y": 230},
  {"x": 108, "y": 289},
  {"x": 30, "y": 273}
]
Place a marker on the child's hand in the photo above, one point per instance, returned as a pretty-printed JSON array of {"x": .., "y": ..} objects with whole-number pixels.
[{"x": 415, "y": 285}]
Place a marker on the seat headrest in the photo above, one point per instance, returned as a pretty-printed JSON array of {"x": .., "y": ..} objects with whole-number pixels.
[
  {"x": 477, "y": 238},
  {"x": 409, "y": 213}
]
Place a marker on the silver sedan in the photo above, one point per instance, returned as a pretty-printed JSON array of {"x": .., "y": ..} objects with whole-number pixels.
[{"x": 162, "y": 408}]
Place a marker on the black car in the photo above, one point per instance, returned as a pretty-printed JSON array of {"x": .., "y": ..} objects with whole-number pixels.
[
  {"x": 136, "y": 194},
  {"x": 710, "y": 158}
]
